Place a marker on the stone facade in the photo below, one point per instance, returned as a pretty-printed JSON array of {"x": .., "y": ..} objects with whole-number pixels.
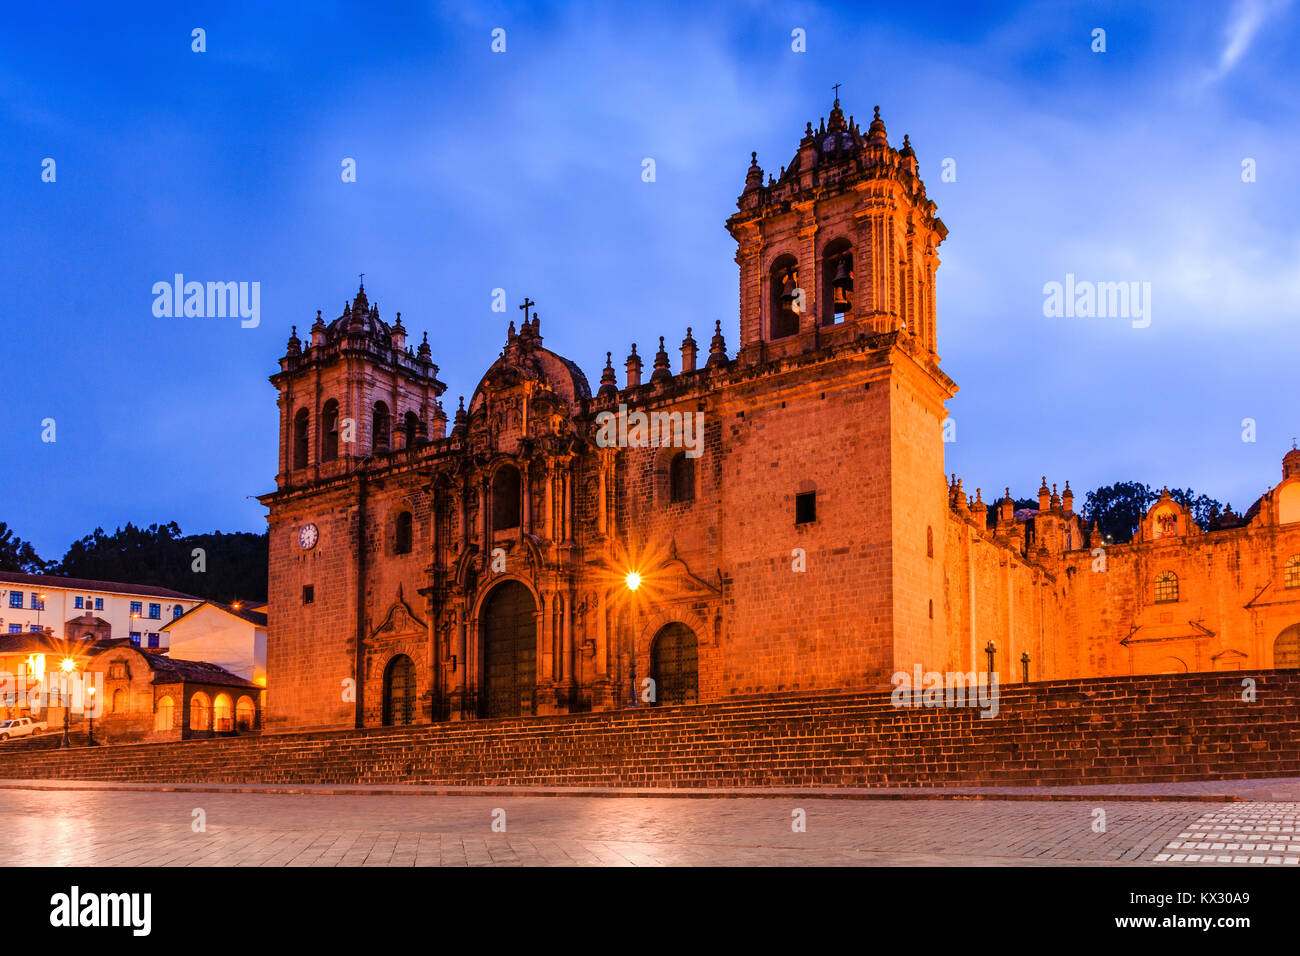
[{"x": 799, "y": 537}]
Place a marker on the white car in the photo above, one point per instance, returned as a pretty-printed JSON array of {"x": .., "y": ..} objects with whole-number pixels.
[{"x": 21, "y": 727}]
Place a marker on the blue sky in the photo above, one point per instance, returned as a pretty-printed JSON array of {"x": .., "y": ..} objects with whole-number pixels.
[{"x": 522, "y": 170}]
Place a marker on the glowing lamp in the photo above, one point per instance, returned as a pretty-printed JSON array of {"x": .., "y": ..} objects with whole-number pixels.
[{"x": 633, "y": 580}]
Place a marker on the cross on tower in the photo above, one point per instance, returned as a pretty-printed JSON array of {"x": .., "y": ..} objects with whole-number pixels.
[
  {"x": 837, "y": 91},
  {"x": 528, "y": 303},
  {"x": 363, "y": 278}
]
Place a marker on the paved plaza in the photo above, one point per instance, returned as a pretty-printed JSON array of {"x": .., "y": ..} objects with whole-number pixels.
[{"x": 116, "y": 827}]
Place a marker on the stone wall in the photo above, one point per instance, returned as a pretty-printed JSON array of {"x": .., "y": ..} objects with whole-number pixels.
[{"x": 1134, "y": 729}]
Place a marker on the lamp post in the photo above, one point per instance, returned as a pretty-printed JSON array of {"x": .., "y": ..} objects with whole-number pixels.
[
  {"x": 990, "y": 649},
  {"x": 90, "y": 716},
  {"x": 1024, "y": 660},
  {"x": 40, "y": 606},
  {"x": 69, "y": 665},
  {"x": 632, "y": 581}
]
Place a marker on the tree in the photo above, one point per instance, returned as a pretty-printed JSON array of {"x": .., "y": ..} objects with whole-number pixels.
[
  {"x": 19, "y": 555},
  {"x": 233, "y": 566},
  {"x": 1118, "y": 509}
]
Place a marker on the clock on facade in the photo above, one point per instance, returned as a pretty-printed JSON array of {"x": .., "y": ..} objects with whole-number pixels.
[{"x": 307, "y": 536}]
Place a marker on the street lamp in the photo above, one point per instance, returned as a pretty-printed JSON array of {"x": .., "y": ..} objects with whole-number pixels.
[
  {"x": 40, "y": 606},
  {"x": 90, "y": 716},
  {"x": 69, "y": 665}
]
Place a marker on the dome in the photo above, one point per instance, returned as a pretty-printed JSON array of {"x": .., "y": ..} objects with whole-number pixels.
[{"x": 361, "y": 316}]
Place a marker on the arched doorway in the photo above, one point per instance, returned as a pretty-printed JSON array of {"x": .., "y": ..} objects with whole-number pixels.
[
  {"x": 399, "y": 691},
  {"x": 509, "y": 650},
  {"x": 674, "y": 665},
  {"x": 1286, "y": 649}
]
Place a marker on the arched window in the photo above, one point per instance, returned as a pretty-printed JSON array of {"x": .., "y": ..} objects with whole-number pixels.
[
  {"x": 177, "y": 611},
  {"x": 245, "y": 713},
  {"x": 119, "y": 702},
  {"x": 411, "y": 428},
  {"x": 837, "y": 282},
  {"x": 381, "y": 429},
  {"x": 787, "y": 299},
  {"x": 166, "y": 716},
  {"x": 1291, "y": 572},
  {"x": 200, "y": 711},
  {"x": 329, "y": 431},
  {"x": 681, "y": 478},
  {"x": 402, "y": 533},
  {"x": 399, "y": 691},
  {"x": 1286, "y": 649},
  {"x": 1166, "y": 587},
  {"x": 223, "y": 714},
  {"x": 505, "y": 498},
  {"x": 300, "y": 439}
]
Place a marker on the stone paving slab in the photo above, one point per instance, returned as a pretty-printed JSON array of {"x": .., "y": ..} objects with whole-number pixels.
[
  {"x": 1210, "y": 791},
  {"x": 107, "y": 826}
]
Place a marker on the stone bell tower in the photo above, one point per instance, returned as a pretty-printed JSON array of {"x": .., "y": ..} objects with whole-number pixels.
[{"x": 842, "y": 241}]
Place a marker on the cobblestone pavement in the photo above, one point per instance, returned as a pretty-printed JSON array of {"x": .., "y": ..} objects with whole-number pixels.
[{"x": 136, "y": 828}]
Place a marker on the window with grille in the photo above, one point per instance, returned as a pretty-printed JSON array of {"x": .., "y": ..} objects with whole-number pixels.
[{"x": 1166, "y": 587}]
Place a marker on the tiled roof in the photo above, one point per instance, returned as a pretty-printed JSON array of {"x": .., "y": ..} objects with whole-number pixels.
[
  {"x": 256, "y": 618},
  {"x": 168, "y": 670},
  {"x": 85, "y": 584}
]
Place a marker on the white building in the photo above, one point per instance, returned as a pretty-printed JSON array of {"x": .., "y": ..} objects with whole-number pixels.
[
  {"x": 77, "y": 608},
  {"x": 232, "y": 636}
]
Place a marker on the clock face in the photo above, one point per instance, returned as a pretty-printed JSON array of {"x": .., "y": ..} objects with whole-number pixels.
[{"x": 307, "y": 536}]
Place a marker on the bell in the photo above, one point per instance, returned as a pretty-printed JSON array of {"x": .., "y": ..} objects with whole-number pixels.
[
  {"x": 788, "y": 290},
  {"x": 843, "y": 277}
]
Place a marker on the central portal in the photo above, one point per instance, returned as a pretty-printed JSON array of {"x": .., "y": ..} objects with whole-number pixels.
[{"x": 509, "y": 651}]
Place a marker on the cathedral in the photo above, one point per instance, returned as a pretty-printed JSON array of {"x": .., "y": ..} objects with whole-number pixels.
[{"x": 515, "y": 560}]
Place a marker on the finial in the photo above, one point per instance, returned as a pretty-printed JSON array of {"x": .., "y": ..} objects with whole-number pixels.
[
  {"x": 877, "y": 112},
  {"x": 753, "y": 158},
  {"x": 293, "y": 331},
  {"x": 609, "y": 363}
]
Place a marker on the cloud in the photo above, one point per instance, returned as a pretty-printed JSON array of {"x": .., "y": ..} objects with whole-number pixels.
[{"x": 1247, "y": 17}]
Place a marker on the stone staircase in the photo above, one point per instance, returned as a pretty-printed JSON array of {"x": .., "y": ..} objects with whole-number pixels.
[{"x": 1115, "y": 730}]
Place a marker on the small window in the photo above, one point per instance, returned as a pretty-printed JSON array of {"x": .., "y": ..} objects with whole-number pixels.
[
  {"x": 99, "y": 604},
  {"x": 77, "y": 603},
  {"x": 135, "y": 638},
  {"x": 137, "y": 607},
  {"x": 155, "y": 611},
  {"x": 1166, "y": 587},
  {"x": 329, "y": 431},
  {"x": 300, "y": 439},
  {"x": 1291, "y": 572},
  {"x": 402, "y": 538},
  {"x": 505, "y": 498},
  {"x": 15, "y": 598},
  {"x": 805, "y": 507},
  {"x": 37, "y": 603},
  {"x": 681, "y": 478},
  {"x": 15, "y": 628},
  {"x": 177, "y": 611},
  {"x": 35, "y": 628},
  {"x": 380, "y": 429},
  {"x": 308, "y": 594},
  {"x": 929, "y": 546}
]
